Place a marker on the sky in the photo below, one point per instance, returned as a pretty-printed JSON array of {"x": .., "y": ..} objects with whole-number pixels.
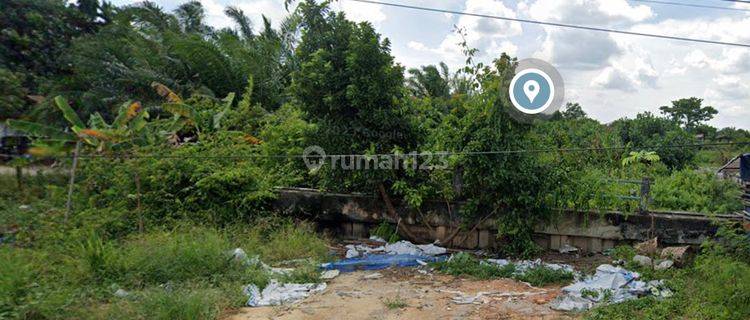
[{"x": 610, "y": 75}]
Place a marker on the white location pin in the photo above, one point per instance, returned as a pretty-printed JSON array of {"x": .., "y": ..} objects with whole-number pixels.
[{"x": 531, "y": 89}]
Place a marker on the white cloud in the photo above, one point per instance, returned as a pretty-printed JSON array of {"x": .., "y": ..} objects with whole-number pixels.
[
  {"x": 578, "y": 49},
  {"x": 615, "y": 79},
  {"x": 359, "y": 12},
  {"x": 589, "y": 12},
  {"x": 488, "y": 35}
]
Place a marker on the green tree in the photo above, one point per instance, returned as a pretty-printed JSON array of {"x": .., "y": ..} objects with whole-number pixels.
[
  {"x": 12, "y": 94},
  {"x": 350, "y": 87},
  {"x": 428, "y": 81},
  {"x": 573, "y": 111},
  {"x": 648, "y": 131},
  {"x": 688, "y": 112}
]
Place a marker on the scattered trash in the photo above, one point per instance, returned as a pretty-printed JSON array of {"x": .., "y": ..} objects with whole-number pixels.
[
  {"x": 648, "y": 247},
  {"x": 239, "y": 255},
  {"x": 658, "y": 289},
  {"x": 566, "y": 248},
  {"x": 352, "y": 253},
  {"x": 678, "y": 254},
  {"x": 610, "y": 284},
  {"x": 523, "y": 265},
  {"x": 406, "y": 247},
  {"x": 373, "y": 276},
  {"x": 329, "y": 274},
  {"x": 378, "y": 239},
  {"x": 664, "y": 265},
  {"x": 276, "y": 294},
  {"x": 120, "y": 293},
  {"x": 484, "y": 297},
  {"x": 568, "y": 302},
  {"x": 379, "y": 261},
  {"x": 643, "y": 261}
]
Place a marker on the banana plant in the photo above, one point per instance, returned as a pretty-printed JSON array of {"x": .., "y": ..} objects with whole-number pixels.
[{"x": 185, "y": 115}]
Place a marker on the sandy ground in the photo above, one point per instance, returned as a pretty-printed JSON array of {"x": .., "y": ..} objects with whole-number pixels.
[{"x": 427, "y": 296}]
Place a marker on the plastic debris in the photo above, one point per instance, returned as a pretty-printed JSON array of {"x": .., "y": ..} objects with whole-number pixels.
[
  {"x": 571, "y": 303},
  {"x": 376, "y": 238},
  {"x": 643, "y": 261},
  {"x": 329, "y": 274},
  {"x": 482, "y": 297},
  {"x": 609, "y": 284},
  {"x": 524, "y": 265},
  {"x": 373, "y": 276},
  {"x": 566, "y": 248},
  {"x": 379, "y": 261},
  {"x": 276, "y": 294},
  {"x": 664, "y": 265},
  {"x": 120, "y": 293},
  {"x": 406, "y": 247}
]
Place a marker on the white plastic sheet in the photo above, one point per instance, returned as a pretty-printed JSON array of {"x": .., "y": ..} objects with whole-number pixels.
[
  {"x": 276, "y": 294},
  {"x": 609, "y": 284}
]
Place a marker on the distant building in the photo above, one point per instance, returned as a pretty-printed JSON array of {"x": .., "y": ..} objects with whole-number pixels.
[
  {"x": 730, "y": 170},
  {"x": 12, "y": 142}
]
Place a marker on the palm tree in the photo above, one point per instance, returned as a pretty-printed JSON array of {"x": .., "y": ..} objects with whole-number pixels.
[
  {"x": 191, "y": 16},
  {"x": 243, "y": 21},
  {"x": 429, "y": 81}
]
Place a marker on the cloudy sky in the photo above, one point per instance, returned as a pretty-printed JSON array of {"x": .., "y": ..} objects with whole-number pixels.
[{"x": 610, "y": 75}]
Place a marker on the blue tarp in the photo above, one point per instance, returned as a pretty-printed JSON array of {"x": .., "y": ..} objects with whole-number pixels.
[{"x": 379, "y": 261}]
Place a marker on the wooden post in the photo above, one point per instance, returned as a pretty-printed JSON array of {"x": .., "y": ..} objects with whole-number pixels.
[
  {"x": 645, "y": 191},
  {"x": 19, "y": 179},
  {"x": 138, "y": 199},
  {"x": 72, "y": 181}
]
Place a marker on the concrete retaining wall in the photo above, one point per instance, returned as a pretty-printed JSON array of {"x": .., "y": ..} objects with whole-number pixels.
[{"x": 352, "y": 215}]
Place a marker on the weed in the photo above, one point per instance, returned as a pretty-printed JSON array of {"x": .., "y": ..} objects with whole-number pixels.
[
  {"x": 395, "y": 303},
  {"x": 386, "y": 231},
  {"x": 541, "y": 276},
  {"x": 465, "y": 264}
]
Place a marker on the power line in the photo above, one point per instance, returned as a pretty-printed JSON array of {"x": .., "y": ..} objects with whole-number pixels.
[
  {"x": 555, "y": 24},
  {"x": 682, "y": 4},
  {"x": 417, "y": 154}
]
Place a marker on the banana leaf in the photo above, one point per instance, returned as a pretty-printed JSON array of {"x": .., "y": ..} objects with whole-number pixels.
[
  {"x": 69, "y": 113},
  {"x": 39, "y": 130}
]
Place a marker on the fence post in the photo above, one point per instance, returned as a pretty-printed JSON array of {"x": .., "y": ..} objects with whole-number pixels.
[
  {"x": 72, "y": 181},
  {"x": 645, "y": 190}
]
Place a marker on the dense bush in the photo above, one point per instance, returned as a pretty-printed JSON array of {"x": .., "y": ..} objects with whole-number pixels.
[{"x": 696, "y": 191}]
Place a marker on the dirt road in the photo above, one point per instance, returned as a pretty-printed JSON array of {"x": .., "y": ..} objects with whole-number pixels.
[{"x": 405, "y": 293}]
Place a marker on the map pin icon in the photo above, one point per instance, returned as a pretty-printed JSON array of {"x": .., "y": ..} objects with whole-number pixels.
[{"x": 531, "y": 89}]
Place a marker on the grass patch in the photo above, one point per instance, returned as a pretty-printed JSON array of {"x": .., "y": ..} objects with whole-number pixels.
[
  {"x": 185, "y": 273},
  {"x": 541, "y": 276},
  {"x": 395, "y": 303},
  {"x": 465, "y": 264},
  {"x": 176, "y": 304}
]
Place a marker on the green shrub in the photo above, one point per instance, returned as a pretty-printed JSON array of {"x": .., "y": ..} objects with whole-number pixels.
[
  {"x": 541, "y": 276},
  {"x": 386, "y": 231},
  {"x": 178, "y": 304},
  {"x": 465, "y": 264},
  {"x": 17, "y": 277},
  {"x": 163, "y": 257},
  {"x": 696, "y": 191}
]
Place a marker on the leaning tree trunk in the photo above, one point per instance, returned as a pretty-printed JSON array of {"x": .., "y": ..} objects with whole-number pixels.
[{"x": 392, "y": 213}]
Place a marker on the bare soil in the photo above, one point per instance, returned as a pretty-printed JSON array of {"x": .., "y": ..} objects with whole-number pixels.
[{"x": 426, "y": 296}]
